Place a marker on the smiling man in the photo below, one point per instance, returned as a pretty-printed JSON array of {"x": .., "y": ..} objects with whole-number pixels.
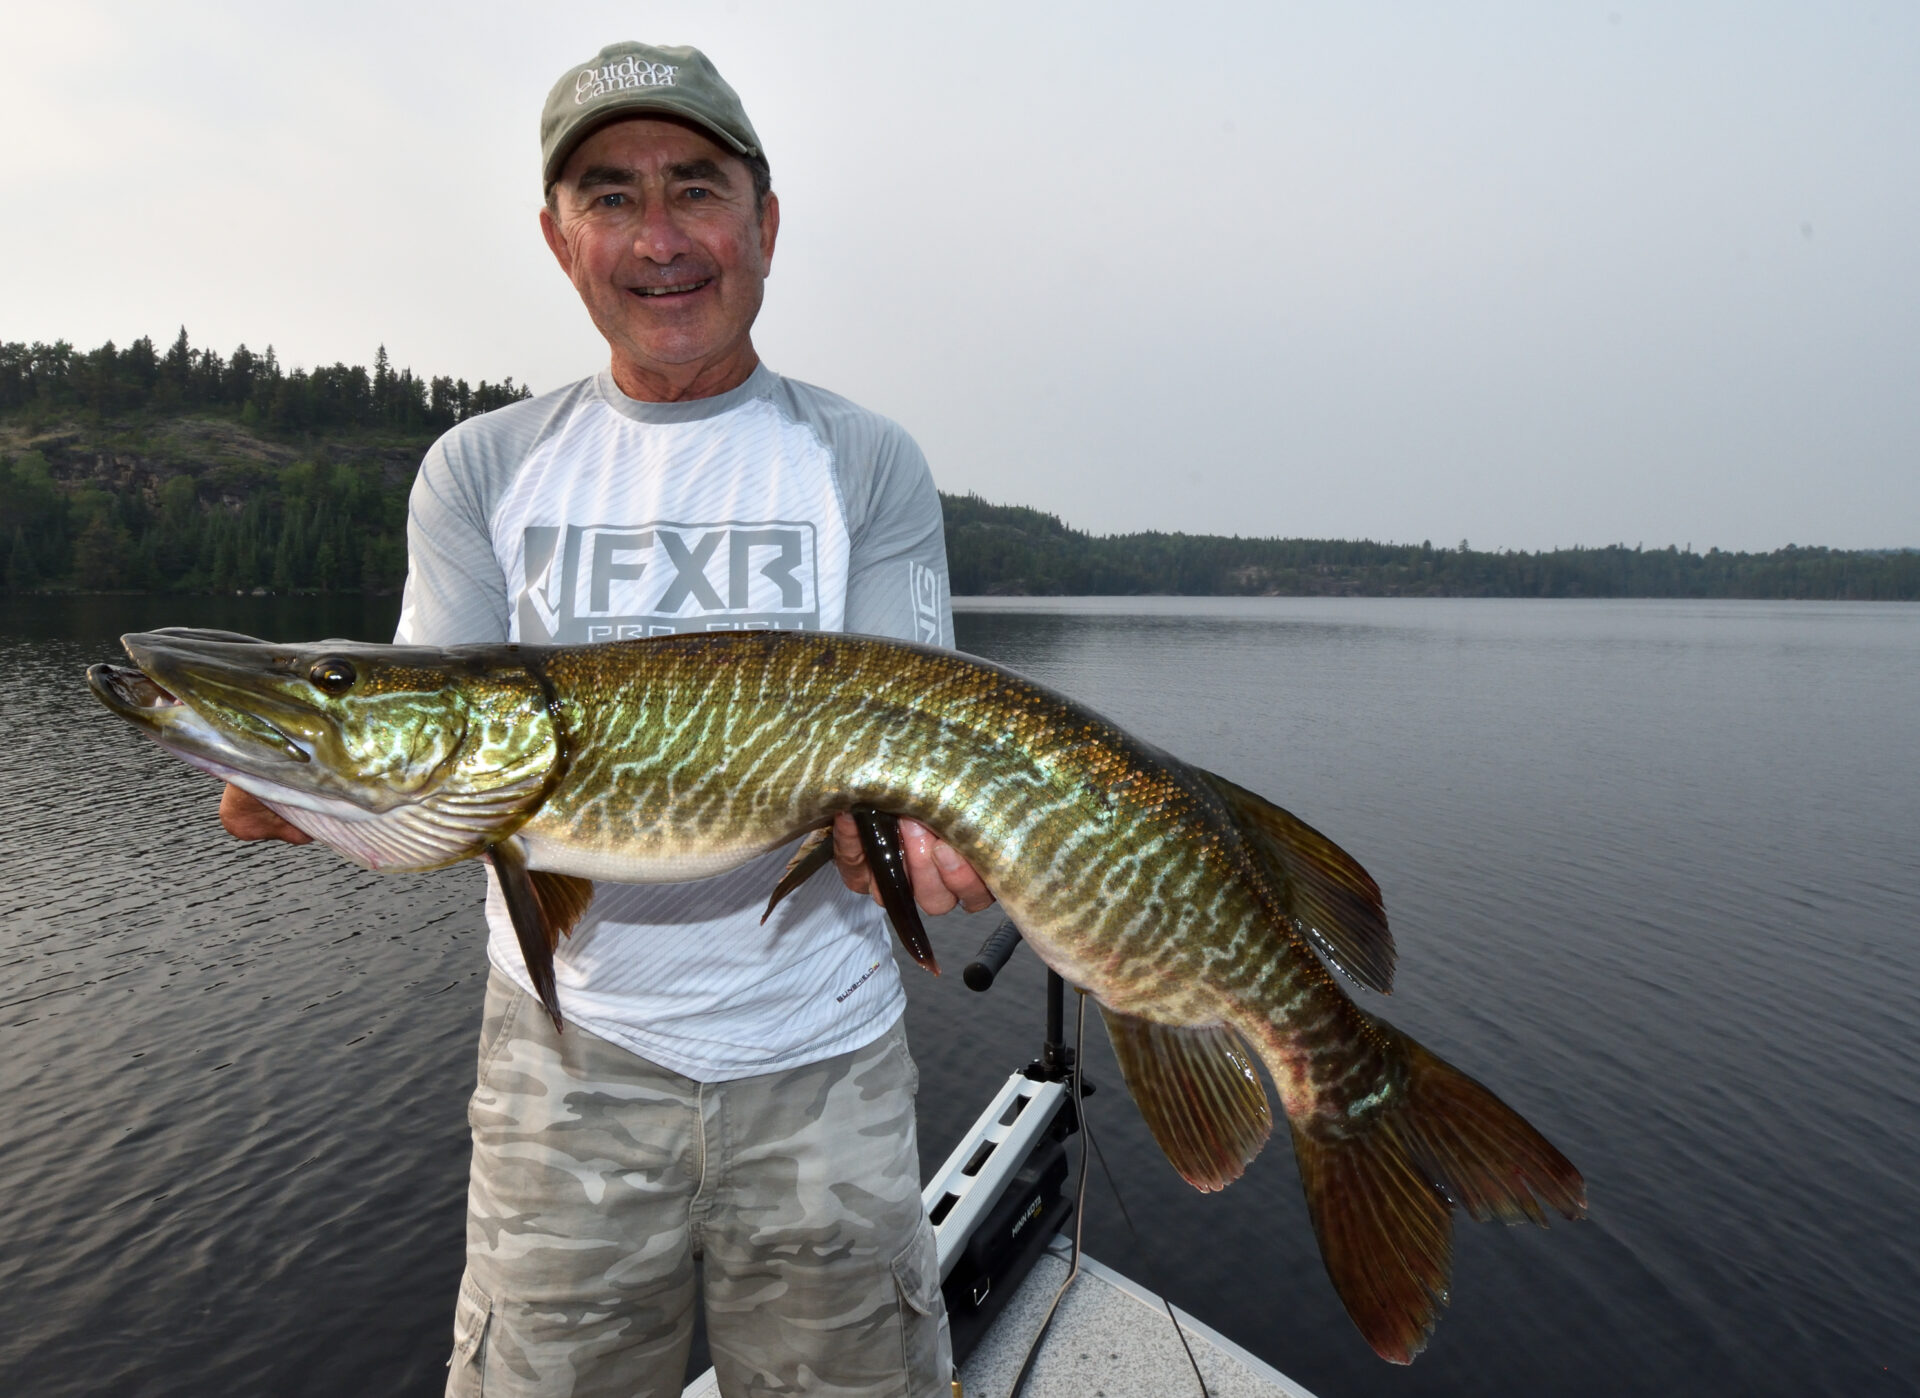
[{"x": 726, "y": 1093}]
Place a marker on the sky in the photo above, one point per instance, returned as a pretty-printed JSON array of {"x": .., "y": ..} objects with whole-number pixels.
[{"x": 1529, "y": 275}]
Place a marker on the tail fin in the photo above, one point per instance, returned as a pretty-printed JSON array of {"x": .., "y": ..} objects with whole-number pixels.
[{"x": 1381, "y": 1188}]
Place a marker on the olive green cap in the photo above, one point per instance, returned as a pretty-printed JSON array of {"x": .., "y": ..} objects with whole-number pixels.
[{"x": 624, "y": 80}]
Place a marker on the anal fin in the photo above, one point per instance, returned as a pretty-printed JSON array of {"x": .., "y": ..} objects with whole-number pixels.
[
  {"x": 887, "y": 867},
  {"x": 1322, "y": 887},
  {"x": 814, "y": 854},
  {"x": 1198, "y": 1090}
]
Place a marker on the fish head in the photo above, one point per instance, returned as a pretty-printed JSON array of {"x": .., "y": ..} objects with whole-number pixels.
[{"x": 399, "y": 757}]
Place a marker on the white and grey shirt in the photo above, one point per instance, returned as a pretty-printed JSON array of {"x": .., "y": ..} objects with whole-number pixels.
[{"x": 584, "y": 515}]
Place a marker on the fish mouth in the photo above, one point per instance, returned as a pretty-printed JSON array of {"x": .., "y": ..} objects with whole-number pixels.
[
  {"x": 213, "y": 726},
  {"x": 129, "y": 692}
]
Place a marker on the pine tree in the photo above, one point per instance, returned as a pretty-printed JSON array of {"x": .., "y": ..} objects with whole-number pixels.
[{"x": 21, "y": 574}]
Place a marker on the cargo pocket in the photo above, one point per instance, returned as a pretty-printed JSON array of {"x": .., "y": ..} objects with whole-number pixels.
[
  {"x": 472, "y": 1316},
  {"x": 926, "y": 1354}
]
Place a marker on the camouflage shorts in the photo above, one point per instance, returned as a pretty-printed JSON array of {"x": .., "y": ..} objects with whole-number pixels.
[{"x": 599, "y": 1179}]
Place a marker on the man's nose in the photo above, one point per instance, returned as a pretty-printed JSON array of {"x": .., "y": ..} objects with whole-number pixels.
[{"x": 658, "y": 235}]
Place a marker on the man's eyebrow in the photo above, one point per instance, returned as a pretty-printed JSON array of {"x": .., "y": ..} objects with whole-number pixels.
[
  {"x": 596, "y": 175},
  {"x": 703, "y": 170}
]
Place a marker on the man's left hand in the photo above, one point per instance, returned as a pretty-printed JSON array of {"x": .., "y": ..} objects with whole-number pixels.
[{"x": 941, "y": 878}]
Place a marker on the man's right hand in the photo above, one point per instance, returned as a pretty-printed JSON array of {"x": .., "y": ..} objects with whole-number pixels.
[{"x": 247, "y": 817}]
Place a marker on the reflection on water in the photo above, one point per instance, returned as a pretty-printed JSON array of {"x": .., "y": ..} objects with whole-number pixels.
[{"x": 1650, "y": 867}]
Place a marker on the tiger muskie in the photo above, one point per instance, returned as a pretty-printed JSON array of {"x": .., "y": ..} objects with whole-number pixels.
[{"x": 1191, "y": 909}]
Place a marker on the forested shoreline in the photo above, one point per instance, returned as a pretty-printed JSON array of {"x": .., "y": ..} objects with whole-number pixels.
[
  {"x": 1009, "y": 550},
  {"x": 186, "y": 470},
  {"x": 192, "y": 471}
]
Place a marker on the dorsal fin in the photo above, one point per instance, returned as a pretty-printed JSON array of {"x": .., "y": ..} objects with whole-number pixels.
[
  {"x": 1324, "y": 889},
  {"x": 1199, "y": 1092}
]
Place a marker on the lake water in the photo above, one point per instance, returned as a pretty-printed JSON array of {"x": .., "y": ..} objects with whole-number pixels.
[{"x": 1652, "y": 869}]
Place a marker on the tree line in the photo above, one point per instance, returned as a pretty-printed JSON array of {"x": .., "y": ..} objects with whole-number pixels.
[
  {"x": 55, "y": 380},
  {"x": 1010, "y": 549},
  {"x": 191, "y": 471},
  {"x": 194, "y": 471}
]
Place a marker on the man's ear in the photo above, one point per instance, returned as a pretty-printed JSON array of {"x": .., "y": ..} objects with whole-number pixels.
[
  {"x": 557, "y": 241},
  {"x": 769, "y": 229}
]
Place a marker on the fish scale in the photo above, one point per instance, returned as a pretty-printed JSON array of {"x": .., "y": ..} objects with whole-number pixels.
[
  {"x": 893, "y": 736},
  {"x": 1182, "y": 902}
]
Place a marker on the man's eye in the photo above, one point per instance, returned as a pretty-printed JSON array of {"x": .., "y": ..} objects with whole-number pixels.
[
  {"x": 611, "y": 201},
  {"x": 698, "y": 193}
]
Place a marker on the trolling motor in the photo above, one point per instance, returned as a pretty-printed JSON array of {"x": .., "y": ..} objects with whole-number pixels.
[{"x": 1001, "y": 1196}]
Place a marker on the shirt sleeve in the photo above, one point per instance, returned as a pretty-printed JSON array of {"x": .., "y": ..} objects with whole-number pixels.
[
  {"x": 455, "y": 592},
  {"x": 897, "y": 572}
]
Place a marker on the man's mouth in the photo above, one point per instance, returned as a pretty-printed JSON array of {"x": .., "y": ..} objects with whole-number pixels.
[{"x": 677, "y": 289}]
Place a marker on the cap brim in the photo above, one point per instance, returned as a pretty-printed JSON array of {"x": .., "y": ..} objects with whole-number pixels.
[{"x": 640, "y": 104}]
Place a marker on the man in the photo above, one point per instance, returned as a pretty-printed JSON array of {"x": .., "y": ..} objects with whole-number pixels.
[{"x": 724, "y": 1091}]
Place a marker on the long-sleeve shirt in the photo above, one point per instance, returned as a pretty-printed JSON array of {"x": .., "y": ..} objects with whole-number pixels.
[{"x": 584, "y": 515}]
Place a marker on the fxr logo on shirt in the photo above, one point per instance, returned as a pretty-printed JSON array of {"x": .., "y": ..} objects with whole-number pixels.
[{"x": 612, "y": 582}]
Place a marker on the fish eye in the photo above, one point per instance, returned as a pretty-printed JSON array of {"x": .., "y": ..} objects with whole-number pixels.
[{"x": 334, "y": 675}]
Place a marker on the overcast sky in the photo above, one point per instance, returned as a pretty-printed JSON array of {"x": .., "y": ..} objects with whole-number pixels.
[{"x": 1528, "y": 274}]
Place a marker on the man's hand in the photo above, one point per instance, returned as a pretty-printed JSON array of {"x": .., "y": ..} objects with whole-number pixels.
[
  {"x": 248, "y": 818},
  {"x": 941, "y": 878}
]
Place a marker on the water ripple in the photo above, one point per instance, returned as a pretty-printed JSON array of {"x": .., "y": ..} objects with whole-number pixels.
[{"x": 1650, "y": 868}]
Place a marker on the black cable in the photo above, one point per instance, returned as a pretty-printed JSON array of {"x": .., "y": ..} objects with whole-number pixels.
[
  {"x": 1079, "y": 1206},
  {"x": 1140, "y": 1252}
]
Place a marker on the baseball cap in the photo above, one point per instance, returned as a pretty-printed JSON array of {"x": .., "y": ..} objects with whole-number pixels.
[{"x": 625, "y": 80}]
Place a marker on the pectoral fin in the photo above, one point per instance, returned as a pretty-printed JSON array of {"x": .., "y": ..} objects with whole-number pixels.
[
  {"x": 1322, "y": 887},
  {"x": 537, "y": 933},
  {"x": 887, "y": 866},
  {"x": 1199, "y": 1092},
  {"x": 814, "y": 854}
]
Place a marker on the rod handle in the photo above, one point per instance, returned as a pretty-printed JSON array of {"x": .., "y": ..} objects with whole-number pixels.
[{"x": 993, "y": 955}]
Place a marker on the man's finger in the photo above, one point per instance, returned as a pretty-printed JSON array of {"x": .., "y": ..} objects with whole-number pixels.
[
  {"x": 930, "y": 890},
  {"x": 246, "y": 817},
  {"x": 941, "y": 879},
  {"x": 960, "y": 878},
  {"x": 849, "y": 858},
  {"x": 935, "y": 861}
]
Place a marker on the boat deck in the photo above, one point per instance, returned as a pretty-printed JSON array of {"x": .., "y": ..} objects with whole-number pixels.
[{"x": 1111, "y": 1339}]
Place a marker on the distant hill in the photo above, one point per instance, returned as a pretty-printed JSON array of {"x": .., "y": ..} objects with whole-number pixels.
[
  {"x": 190, "y": 471},
  {"x": 1011, "y": 550},
  {"x": 194, "y": 471}
]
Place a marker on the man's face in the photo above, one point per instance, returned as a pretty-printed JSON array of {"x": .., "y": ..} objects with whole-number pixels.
[{"x": 655, "y": 225}]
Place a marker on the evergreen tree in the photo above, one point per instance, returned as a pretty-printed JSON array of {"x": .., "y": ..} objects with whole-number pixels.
[
  {"x": 21, "y": 574},
  {"x": 102, "y": 554}
]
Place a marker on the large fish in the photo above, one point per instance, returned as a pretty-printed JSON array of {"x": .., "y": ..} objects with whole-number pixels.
[{"x": 1190, "y": 908}]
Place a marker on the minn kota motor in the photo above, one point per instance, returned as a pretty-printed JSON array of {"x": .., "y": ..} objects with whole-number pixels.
[{"x": 1001, "y": 1196}]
